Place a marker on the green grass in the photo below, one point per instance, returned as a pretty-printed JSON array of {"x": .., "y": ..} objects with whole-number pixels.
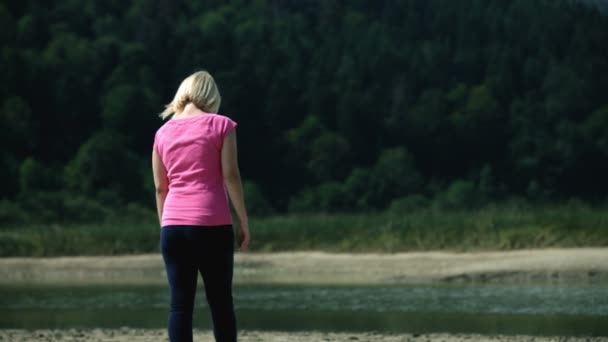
[
  {"x": 83, "y": 239},
  {"x": 492, "y": 228},
  {"x": 487, "y": 229}
]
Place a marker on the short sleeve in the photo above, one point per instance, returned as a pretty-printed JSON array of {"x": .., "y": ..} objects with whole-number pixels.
[
  {"x": 156, "y": 144},
  {"x": 226, "y": 126}
]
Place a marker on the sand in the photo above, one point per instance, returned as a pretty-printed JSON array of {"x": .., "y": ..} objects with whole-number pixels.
[
  {"x": 144, "y": 335},
  {"x": 577, "y": 265}
]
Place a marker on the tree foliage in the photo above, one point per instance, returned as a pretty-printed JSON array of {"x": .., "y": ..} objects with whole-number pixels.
[{"x": 342, "y": 106}]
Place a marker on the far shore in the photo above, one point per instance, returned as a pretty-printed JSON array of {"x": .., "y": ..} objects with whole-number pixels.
[{"x": 553, "y": 266}]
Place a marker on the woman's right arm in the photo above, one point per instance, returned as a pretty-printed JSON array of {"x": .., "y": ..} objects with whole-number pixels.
[
  {"x": 161, "y": 184},
  {"x": 234, "y": 185}
]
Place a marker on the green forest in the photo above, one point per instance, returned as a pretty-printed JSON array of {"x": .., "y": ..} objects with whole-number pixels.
[{"x": 344, "y": 107}]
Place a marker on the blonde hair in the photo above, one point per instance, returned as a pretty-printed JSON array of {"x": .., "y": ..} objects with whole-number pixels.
[{"x": 199, "y": 89}]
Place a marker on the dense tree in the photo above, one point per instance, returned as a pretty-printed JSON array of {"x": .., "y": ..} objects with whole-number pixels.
[{"x": 341, "y": 106}]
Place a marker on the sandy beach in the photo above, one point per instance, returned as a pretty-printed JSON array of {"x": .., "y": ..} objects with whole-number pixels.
[
  {"x": 141, "y": 335},
  {"x": 578, "y": 265}
]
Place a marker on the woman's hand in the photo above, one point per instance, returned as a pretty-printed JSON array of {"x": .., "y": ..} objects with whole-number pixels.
[{"x": 243, "y": 236}]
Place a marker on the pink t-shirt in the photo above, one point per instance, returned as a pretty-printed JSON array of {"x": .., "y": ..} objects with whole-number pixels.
[{"x": 190, "y": 149}]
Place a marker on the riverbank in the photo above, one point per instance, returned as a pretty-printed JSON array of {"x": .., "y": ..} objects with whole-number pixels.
[
  {"x": 560, "y": 266},
  {"x": 144, "y": 335}
]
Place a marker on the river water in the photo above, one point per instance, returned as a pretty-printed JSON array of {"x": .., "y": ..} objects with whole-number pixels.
[{"x": 486, "y": 309}]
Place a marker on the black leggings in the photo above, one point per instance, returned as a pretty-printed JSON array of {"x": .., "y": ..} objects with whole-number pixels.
[{"x": 186, "y": 251}]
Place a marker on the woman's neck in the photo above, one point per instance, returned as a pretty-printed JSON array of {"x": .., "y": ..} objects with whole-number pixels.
[{"x": 189, "y": 110}]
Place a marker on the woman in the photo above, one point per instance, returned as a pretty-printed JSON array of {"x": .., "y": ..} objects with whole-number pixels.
[{"x": 194, "y": 161}]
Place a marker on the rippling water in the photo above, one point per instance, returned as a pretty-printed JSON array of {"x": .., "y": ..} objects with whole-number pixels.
[{"x": 484, "y": 309}]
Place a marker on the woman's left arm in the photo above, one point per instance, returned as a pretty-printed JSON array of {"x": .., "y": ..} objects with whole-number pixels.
[{"x": 161, "y": 183}]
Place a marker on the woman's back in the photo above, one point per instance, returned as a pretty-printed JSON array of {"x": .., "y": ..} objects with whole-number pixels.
[
  {"x": 195, "y": 168},
  {"x": 190, "y": 149}
]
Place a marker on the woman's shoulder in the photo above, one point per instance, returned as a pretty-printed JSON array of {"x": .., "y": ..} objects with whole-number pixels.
[
  {"x": 210, "y": 120},
  {"x": 218, "y": 117},
  {"x": 222, "y": 124},
  {"x": 221, "y": 121},
  {"x": 162, "y": 128}
]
